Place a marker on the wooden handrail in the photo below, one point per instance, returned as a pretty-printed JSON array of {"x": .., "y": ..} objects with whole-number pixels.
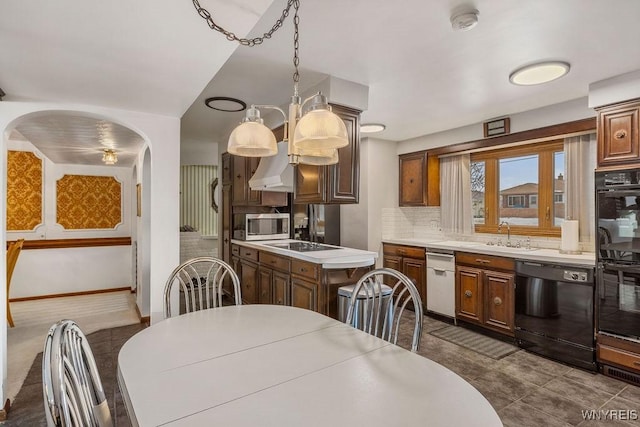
[{"x": 75, "y": 243}]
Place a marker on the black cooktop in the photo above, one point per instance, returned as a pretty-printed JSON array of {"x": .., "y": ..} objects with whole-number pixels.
[{"x": 301, "y": 246}]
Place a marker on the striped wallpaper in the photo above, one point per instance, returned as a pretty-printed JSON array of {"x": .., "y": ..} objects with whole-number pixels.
[{"x": 196, "y": 197}]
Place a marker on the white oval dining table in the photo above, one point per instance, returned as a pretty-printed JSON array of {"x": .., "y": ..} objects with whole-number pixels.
[{"x": 268, "y": 365}]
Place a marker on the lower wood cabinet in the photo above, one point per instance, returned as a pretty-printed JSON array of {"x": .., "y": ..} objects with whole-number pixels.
[
  {"x": 485, "y": 291},
  {"x": 411, "y": 261},
  {"x": 268, "y": 278},
  {"x": 304, "y": 294}
]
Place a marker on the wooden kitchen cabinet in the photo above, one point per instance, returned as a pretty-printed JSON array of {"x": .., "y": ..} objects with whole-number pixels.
[
  {"x": 337, "y": 183},
  {"x": 245, "y": 264},
  {"x": 485, "y": 291},
  {"x": 618, "y": 138},
  {"x": 242, "y": 169},
  {"x": 419, "y": 179},
  {"x": 275, "y": 282},
  {"x": 411, "y": 261}
]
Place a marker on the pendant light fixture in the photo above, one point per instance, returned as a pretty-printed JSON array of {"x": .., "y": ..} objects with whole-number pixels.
[{"x": 313, "y": 137}]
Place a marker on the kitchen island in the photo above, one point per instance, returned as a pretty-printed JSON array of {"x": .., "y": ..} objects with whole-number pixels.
[{"x": 295, "y": 273}]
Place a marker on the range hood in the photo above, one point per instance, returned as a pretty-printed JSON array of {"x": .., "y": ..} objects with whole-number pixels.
[{"x": 274, "y": 173}]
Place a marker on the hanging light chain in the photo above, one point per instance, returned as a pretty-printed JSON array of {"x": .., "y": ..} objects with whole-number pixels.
[
  {"x": 296, "y": 46},
  {"x": 204, "y": 13}
]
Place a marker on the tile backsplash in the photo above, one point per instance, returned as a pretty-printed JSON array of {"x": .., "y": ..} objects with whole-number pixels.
[{"x": 424, "y": 223}]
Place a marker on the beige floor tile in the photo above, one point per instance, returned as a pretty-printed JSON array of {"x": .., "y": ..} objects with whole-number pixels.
[{"x": 559, "y": 406}]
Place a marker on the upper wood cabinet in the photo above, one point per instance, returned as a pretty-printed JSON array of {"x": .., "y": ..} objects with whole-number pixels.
[
  {"x": 419, "y": 179},
  {"x": 241, "y": 170},
  {"x": 337, "y": 183},
  {"x": 618, "y": 140}
]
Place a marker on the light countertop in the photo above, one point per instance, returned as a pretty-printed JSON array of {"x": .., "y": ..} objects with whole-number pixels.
[
  {"x": 535, "y": 254},
  {"x": 330, "y": 259}
]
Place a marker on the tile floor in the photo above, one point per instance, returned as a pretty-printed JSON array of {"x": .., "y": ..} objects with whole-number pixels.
[{"x": 526, "y": 390}]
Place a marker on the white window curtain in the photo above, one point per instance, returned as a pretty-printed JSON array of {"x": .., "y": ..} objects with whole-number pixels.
[
  {"x": 580, "y": 163},
  {"x": 455, "y": 195}
]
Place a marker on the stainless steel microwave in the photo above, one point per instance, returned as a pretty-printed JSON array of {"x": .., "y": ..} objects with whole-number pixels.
[{"x": 265, "y": 226}]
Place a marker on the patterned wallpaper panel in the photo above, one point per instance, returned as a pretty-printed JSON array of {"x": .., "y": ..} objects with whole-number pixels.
[
  {"x": 88, "y": 202},
  {"x": 24, "y": 191}
]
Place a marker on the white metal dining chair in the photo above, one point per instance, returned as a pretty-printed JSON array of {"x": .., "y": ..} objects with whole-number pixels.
[
  {"x": 71, "y": 386},
  {"x": 203, "y": 282},
  {"x": 381, "y": 315}
]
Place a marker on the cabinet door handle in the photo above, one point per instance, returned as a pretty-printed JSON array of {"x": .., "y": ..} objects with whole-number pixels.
[
  {"x": 273, "y": 261},
  {"x": 620, "y": 134},
  {"x": 497, "y": 301},
  {"x": 468, "y": 294},
  {"x": 302, "y": 269},
  {"x": 483, "y": 261}
]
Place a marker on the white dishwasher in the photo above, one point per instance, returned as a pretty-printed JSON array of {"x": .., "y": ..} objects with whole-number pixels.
[{"x": 441, "y": 283}]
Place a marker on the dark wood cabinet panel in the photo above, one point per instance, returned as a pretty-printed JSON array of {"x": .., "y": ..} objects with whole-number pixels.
[
  {"x": 227, "y": 172},
  {"x": 310, "y": 184},
  {"x": 410, "y": 261},
  {"x": 499, "y": 300},
  {"x": 242, "y": 169},
  {"x": 344, "y": 177},
  {"x": 248, "y": 274},
  {"x": 304, "y": 294},
  {"x": 468, "y": 294},
  {"x": 618, "y": 138},
  {"x": 416, "y": 270},
  {"x": 281, "y": 287},
  {"x": 337, "y": 183},
  {"x": 264, "y": 286},
  {"x": 419, "y": 179},
  {"x": 485, "y": 291},
  {"x": 413, "y": 179}
]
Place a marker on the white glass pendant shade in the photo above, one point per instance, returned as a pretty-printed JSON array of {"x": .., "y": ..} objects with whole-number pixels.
[
  {"x": 320, "y": 129},
  {"x": 252, "y": 139},
  {"x": 318, "y": 157}
]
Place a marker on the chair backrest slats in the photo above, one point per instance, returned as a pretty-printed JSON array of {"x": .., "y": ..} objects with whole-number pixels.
[
  {"x": 71, "y": 386},
  {"x": 379, "y": 301},
  {"x": 203, "y": 283}
]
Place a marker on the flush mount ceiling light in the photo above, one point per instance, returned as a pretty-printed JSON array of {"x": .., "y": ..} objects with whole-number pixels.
[
  {"x": 313, "y": 136},
  {"x": 225, "y": 103},
  {"x": 542, "y": 72},
  {"x": 464, "y": 20},
  {"x": 372, "y": 127},
  {"x": 109, "y": 157}
]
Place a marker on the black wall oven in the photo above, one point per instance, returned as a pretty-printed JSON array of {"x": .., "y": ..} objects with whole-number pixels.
[{"x": 618, "y": 253}]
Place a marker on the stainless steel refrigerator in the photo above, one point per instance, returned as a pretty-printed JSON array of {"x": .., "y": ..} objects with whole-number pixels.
[{"x": 317, "y": 223}]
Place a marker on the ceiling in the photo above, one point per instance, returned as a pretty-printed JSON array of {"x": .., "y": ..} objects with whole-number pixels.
[{"x": 160, "y": 57}]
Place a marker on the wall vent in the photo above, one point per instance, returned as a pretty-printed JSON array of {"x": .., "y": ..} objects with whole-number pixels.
[{"x": 621, "y": 374}]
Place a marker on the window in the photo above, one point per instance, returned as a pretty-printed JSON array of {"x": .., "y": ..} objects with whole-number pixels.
[
  {"x": 515, "y": 201},
  {"x": 523, "y": 186}
]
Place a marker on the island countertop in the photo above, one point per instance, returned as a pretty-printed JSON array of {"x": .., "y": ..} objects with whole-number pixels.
[{"x": 341, "y": 257}]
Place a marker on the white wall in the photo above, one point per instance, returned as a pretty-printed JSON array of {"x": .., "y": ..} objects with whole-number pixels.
[
  {"x": 58, "y": 271},
  {"x": 162, "y": 133},
  {"x": 361, "y": 224}
]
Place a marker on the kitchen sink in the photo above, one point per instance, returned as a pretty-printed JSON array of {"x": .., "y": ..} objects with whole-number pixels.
[{"x": 501, "y": 248}]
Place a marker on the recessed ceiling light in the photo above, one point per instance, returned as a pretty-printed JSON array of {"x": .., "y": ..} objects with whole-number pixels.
[
  {"x": 542, "y": 72},
  {"x": 372, "y": 127},
  {"x": 225, "y": 103}
]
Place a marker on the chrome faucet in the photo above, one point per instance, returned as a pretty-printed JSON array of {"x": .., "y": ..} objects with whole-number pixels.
[{"x": 508, "y": 244}]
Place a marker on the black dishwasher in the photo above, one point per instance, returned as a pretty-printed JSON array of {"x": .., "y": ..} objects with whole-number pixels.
[{"x": 554, "y": 312}]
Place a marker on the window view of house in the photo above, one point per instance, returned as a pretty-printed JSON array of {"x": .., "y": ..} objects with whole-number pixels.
[{"x": 523, "y": 186}]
